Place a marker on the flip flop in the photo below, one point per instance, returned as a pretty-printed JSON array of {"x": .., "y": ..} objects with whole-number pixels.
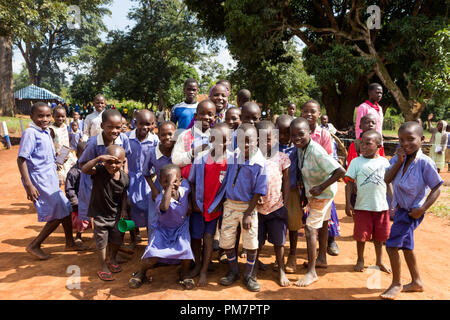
[
  {"x": 188, "y": 283},
  {"x": 105, "y": 276},
  {"x": 114, "y": 268}
]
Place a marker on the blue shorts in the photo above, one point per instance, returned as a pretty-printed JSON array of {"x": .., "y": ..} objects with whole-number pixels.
[
  {"x": 199, "y": 226},
  {"x": 273, "y": 226},
  {"x": 402, "y": 230}
]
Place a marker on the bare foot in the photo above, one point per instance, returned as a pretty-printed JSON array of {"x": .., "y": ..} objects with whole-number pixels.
[
  {"x": 308, "y": 279},
  {"x": 38, "y": 253},
  {"x": 194, "y": 272},
  {"x": 392, "y": 292},
  {"x": 75, "y": 247},
  {"x": 319, "y": 264},
  {"x": 283, "y": 280},
  {"x": 359, "y": 267},
  {"x": 202, "y": 280},
  {"x": 413, "y": 287},
  {"x": 384, "y": 268}
]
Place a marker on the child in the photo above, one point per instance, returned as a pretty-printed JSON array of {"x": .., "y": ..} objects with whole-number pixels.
[
  {"x": 368, "y": 122},
  {"x": 409, "y": 172},
  {"x": 246, "y": 183},
  {"x": 242, "y": 97},
  {"x": 219, "y": 95},
  {"x": 142, "y": 141},
  {"x": 124, "y": 125},
  {"x": 92, "y": 123},
  {"x": 370, "y": 213},
  {"x": 60, "y": 135},
  {"x": 108, "y": 204},
  {"x": 96, "y": 146},
  {"x": 291, "y": 109},
  {"x": 36, "y": 162},
  {"x": 311, "y": 112},
  {"x": 438, "y": 142},
  {"x": 272, "y": 212},
  {"x": 233, "y": 118},
  {"x": 72, "y": 187},
  {"x": 294, "y": 205},
  {"x": 194, "y": 140},
  {"x": 206, "y": 177},
  {"x": 75, "y": 135},
  {"x": 170, "y": 238},
  {"x": 251, "y": 113},
  {"x": 76, "y": 118},
  {"x": 183, "y": 112},
  {"x": 319, "y": 173},
  {"x": 371, "y": 105}
]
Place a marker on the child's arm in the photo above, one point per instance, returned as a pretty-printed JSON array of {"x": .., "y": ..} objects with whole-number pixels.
[
  {"x": 88, "y": 167},
  {"x": 286, "y": 186},
  {"x": 71, "y": 192},
  {"x": 153, "y": 187},
  {"x": 165, "y": 202},
  {"x": 247, "y": 219},
  {"x": 32, "y": 192},
  {"x": 337, "y": 174},
  {"x": 349, "y": 210},
  {"x": 192, "y": 196},
  {"x": 416, "y": 213},
  {"x": 190, "y": 201},
  {"x": 124, "y": 211},
  {"x": 391, "y": 173},
  {"x": 390, "y": 192}
]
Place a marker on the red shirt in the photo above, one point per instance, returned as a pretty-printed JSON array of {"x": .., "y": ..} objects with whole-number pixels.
[{"x": 214, "y": 175}]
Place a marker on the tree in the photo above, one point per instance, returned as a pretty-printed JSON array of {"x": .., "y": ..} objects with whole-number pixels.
[
  {"x": 161, "y": 47},
  {"x": 21, "y": 80},
  {"x": 342, "y": 52},
  {"x": 50, "y": 39}
]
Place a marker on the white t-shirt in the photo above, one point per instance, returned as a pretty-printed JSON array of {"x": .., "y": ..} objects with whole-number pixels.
[{"x": 368, "y": 175}]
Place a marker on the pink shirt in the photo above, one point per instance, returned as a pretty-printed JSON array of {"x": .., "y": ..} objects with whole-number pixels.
[
  {"x": 365, "y": 108},
  {"x": 323, "y": 137},
  {"x": 273, "y": 200}
]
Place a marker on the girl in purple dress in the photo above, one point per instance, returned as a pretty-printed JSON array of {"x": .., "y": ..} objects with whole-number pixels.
[{"x": 170, "y": 238}]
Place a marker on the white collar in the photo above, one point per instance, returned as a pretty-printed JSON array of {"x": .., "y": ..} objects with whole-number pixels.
[
  {"x": 133, "y": 136},
  {"x": 256, "y": 158},
  {"x": 33, "y": 125},
  {"x": 158, "y": 153},
  {"x": 100, "y": 141},
  {"x": 198, "y": 131}
]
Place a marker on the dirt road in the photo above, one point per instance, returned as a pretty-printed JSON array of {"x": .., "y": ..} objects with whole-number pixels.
[{"x": 24, "y": 277}]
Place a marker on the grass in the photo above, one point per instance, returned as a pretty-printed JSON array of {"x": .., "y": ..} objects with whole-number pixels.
[
  {"x": 13, "y": 124},
  {"x": 441, "y": 207}
]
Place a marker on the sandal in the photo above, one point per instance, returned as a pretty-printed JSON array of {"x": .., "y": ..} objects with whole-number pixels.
[
  {"x": 105, "y": 276},
  {"x": 188, "y": 283},
  {"x": 114, "y": 268}
]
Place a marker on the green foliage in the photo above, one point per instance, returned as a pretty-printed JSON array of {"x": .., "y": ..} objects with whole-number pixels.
[
  {"x": 21, "y": 80},
  {"x": 81, "y": 90}
]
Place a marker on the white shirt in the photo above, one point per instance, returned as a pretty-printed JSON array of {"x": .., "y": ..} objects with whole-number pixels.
[{"x": 92, "y": 125}]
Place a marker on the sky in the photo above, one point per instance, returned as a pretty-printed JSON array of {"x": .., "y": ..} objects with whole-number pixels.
[{"x": 119, "y": 21}]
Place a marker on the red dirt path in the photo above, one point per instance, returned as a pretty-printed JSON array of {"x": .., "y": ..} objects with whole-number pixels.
[{"x": 24, "y": 277}]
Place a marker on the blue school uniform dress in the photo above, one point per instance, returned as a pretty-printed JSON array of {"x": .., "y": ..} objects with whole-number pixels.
[
  {"x": 410, "y": 191},
  {"x": 154, "y": 161},
  {"x": 36, "y": 147},
  {"x": 74, "y": 138},
  {"x": 139, "y": 190},
  {"x": 170, "y": 238},
  {"x": 95, "y": 147}
]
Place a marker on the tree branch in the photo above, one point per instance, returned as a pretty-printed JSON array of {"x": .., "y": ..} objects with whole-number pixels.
[{"x": 330, "y": 14}]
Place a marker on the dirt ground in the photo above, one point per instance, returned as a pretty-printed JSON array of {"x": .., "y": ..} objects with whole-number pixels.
[{"x": 24, "y": 277}]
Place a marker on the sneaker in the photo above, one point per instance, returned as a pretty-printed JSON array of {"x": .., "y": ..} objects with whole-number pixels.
[
  {"x": 229, "y": 279},
  {"x": 251, "y": 284},
  {"x": 333, "y": 249},
  {"x": 291, "y": 264}
]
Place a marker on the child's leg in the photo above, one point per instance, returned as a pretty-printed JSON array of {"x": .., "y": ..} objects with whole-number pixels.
[
  {"x": 323, "y": 245},
  {"x": 311, "y": 244},
  {"x": 291, "y": 264},
  {"x": 102, "y": 259},
  {"x": 113, "y": 249},
  {"x": 207, "y": 253},
  {"x": 250, "y": 265},
  {"x": 416, "y": 284},
  {"x": 70, "y": 242},
  {"x": 279, "y": 253},
  {"x": 359, "y": 267},
  {"x": 34, "y": 248},
  {"x": 379, "y": 254},
  {"x": 196, "y": 246},
  {"x": 197, "y": 226},
  {"x": 139, "y": 276},
  {"x": 396, "y": 285}
]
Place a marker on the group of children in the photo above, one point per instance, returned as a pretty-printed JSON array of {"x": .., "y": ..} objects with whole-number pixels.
[{"x": 229, "y": 173}]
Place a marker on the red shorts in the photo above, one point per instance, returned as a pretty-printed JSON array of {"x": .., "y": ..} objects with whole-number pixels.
[{"x": 371, "y": 225}]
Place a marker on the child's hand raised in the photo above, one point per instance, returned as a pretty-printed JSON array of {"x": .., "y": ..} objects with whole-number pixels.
[
  {"x": 106, "y": 158},
  {"x": 401, "y": 154}
]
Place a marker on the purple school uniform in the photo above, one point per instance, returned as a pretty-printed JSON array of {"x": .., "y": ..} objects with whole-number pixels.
[
  {"x": 36, "y": 147},
  {"x": 170, "y": 238},
  {"x": 246, "y": 179},
  {"x": 139, "y": 190},
  {"x": 94, "y": 148},
  {"x": 410, "y": 191},
  {"x": 291, "y": 152},
  {"x": 74, "y": 138}
]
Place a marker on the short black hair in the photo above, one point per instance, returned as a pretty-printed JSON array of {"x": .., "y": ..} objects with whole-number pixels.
[
  {"x": 233, "y": 109},
  {"x": 373, "y": 133},
  {"x": 139, "y": 113},
  {"x": 247, "y": 126},
  {"x": 189, "y": 81},
  {"x": 81, "y": 146},
  {"x": 166, "y": 123},
  {"x": 265, "y": 125},
  {"x": 99, "y": 95},
  {"x": 374, "y": 86},
  {"x": 201, "y": 103},
  {"x": 110, "y": 113},
  {"x": 412, "y": 125},
  {"x": 58, "y": 108},
  {"x": 250, "y": 105},
  {"x": 299, "y": 121},
  {"x": 37, "y": 105},
  {"x": 244, "y": 93},
  {"x": 367, "y": 116},
  {"x": 312, "y": 101},
  {"x": 284, "y": 119},
  {"x": 169, "y": 167}
]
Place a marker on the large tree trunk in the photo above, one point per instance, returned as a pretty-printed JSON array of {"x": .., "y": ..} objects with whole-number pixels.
[
  {"x": 6, "y": 77},
  {"x": 341, "y": 106}
]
